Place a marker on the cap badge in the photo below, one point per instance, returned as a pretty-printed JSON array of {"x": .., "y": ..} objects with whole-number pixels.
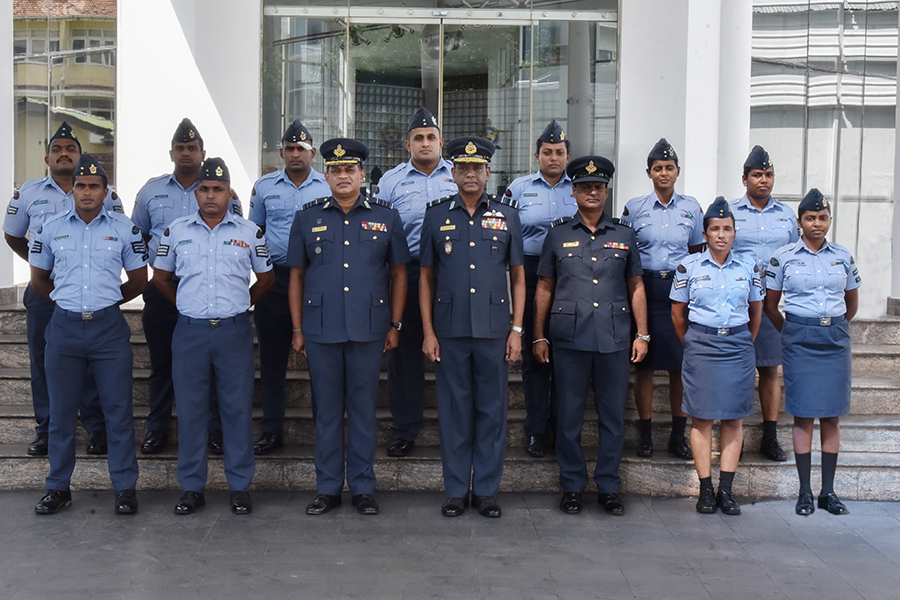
[
  {"x": 219, "y": 171},
  {"x": 590, "y": 168},
  {"x": 824, "y": 202},
  {"x": 471, "y": 148},
  {"x": 339, "y": 151},
  {"x": 562, "y": 136},
  {"x": 434, "y": 120},
  {"x": 303, "y": 136},
  {"x": 191, "y": 133},
  {"x": 93, "y": 169}
]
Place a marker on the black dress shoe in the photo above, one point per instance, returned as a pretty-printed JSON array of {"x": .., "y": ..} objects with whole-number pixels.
[
  {"x": 611, "y": 504},
  {"x": 400, "y": 447},
  {"x": 725, "y": 502},
  {"x": 831, "y": 503},
  {"x": 267, "y": 444},
  {"x": 214, "y": 442},
  {"x": 189, "y": 502},
  {"x": 96, "y": 445},
  {"x": 536, "y": 446},
  {"x": 570, "y": 503},
  {"x": 771, "y": 449},
  {"x": 679, "y": 448},
  {"x": 486, "y": 506},
  {"x": 240, "y": 503},
  {"x": 805, "y": 506},
  {"x": 126, "y": 502},
  {"x": 52, "y": 501},
  {"x": 644, "y": 448},
  {"x": 39, "y": 446},
  {"x": 365, "y": 504},
  {"x": 322, "y": 504},
  {"x": 706, "y": 503},
  {"x": 154, "y": 442},
  {"x": 454, "y": 507}
]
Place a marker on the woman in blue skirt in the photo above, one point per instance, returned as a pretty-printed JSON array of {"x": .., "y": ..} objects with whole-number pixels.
[
  {"x": 723, "y": 295},
  {"x": 819, "y": 282}
]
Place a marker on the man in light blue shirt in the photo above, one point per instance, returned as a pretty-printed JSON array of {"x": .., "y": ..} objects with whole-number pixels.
[
  {"x": 275, "y": 200},
  {"x": 410, "y": 186}
]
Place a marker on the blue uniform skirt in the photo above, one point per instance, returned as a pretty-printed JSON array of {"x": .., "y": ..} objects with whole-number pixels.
[
  {"x": 718, "y": 374},
  {"x": 665, "y": 351},
  {"x": 767, "y": 344},
  {"x": 817, "y": 366}
]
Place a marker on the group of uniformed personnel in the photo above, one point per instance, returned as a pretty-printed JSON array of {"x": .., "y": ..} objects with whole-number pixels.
[{"x": 430, "y": 263}]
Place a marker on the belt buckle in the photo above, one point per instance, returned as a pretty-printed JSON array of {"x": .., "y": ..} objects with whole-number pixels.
[
  {"x": 825, "y": 322},
  {"x": 213, "y": 323},
  {"x": 87, "y": 316},
  {"x": 667, "y": 274},
  {"x": 723, "y": 331}
]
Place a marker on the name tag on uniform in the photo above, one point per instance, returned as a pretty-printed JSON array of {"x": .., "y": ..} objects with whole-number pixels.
[
  {"x": 570, "y": 244},
  {"x": 530, "y": 194},
  {"x": 495, "y": 223},
  {"x": 407, "y": 183},
  {"x": 448, "y": 227},
  {"x": 238, "y": 243},
  {"x": 180, "y": 242},
  {"x": 615, "y": 246},
  {"x": 370, "y": 226},
  {"x": 61, "y": 237},
  {"x": 643, "y": 215},
  {"x": 318, "y": 229}
]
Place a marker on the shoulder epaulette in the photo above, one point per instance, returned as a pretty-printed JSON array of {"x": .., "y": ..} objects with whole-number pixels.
[
  {"x": 507, "y": 201},
  {"x": 618, "y": 221},
  {"x": 380, "y": 202},
  {"x": 438, "y": 201},
  {"x": 560, "y": 221},
  {"x": 315, "y": 202}
]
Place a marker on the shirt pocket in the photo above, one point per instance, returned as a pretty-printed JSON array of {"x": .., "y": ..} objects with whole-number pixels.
[
  {"x": 188, "y": 260},
  {"x": 320, "y": 247},
  {"x": 380, "y": 314},
  {"x": 162, "y": 211},
  {"x": 312, "y": 314},
  {"x": 562, "y": 320},
  {"x": 64, "y": 254},
  {"x": 798, "y": 278},
  {"x": 498, "y": 240},
  {"x": 443, "y": 312},
  {"x": 621, "y": 318},
  {"x": 373, "y": 246},
  {"x": 39, "y": 212},
  {"x": 499, "y": 312},
  {"x": 835, "y": 278},
  {"x": 108, "y": 254},
  {"x": 570, "y": 262},
  {"x": 738, "y": 291},
  {"x": 235, "y": 260},
  {"x": 703, "y": 293},
  {"x": 614, "y": 262}
]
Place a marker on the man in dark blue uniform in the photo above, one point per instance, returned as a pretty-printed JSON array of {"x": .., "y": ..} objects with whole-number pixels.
[
  {"x": 85, "y": 250},
  {"x": 590, "y": 285},
  {"x": 468, "y": 241},
  {"x": 212, "y": 252},
  {"x": 348, "y": 260}
]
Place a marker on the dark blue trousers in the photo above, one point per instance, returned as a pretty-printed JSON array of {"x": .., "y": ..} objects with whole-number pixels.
[
  {"x": 472, "y": 390},
  {"x": 406, "y": 366},
  {"x": 204, "y": 357},
  {"x": 607, "y": 373},
  {"x": 103, "y": 346},
  {"x": 158, "y": 319},
  {"x": 344, "y": 376},
  {"x": 540, "y": 396},
  {"x": 272, "y": 316},
  {"x": 38, "y": 311}
]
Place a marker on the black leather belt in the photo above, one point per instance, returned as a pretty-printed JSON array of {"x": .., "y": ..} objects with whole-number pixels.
[
  {"x": 723, "y": 331},
  {"x": 667, "y": 274},
  {"x": 88, "y": 315},
  {"x": 819, "y": 321},
  {"x": 212, "y": 323}
]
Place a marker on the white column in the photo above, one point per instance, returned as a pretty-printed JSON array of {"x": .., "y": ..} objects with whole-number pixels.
[
  {"x": 7, "y": 132},
  {"x": 734, "y": 95},
  {"x": 893, "y": 302}
]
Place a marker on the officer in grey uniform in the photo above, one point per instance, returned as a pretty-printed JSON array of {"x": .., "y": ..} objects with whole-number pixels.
[
  {"x": 275, "y": 199},
  {"x": 162, "y": 200},
  {"x": 35, "y": 202},
  {"x": 543, "y": 197},
  {"x": 348, "y": 260},
  {"x": 85, "y": 250},
  {"x": 212, "y": 253},
  {"x": 410, "y": 186},
  {"x": 468, "y": 242},
  {"x": 590, "y": 285}
]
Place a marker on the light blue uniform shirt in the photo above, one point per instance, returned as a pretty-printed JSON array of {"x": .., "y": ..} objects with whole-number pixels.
[
  {"x": 539, "y": 205},
  {"x": 759, "y": 233},
  {"x": 161, "y": 201},
  {"x": 40, "y": 199},
  {"x": 813, "y": 282},
  {"x": 213, "y": 265},
  {"x": 664, "y": 232},
  {"x": 717, "y": 296},
  {"x": 87, "y": 258},
  {"x": 410, "y": 190},
  {"x": 275, "y": 200}
]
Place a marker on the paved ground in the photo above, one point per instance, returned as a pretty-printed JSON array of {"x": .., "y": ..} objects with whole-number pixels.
[{"x": 660, "y": 549}]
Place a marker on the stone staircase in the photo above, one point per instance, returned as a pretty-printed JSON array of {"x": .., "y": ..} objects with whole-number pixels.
[{"x": 869, "y": 465}]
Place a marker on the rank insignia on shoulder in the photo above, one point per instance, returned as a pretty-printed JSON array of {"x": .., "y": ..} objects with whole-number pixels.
[
  {"x": 315, "y": 202},
  {"x": 139, "y": 247},
  {"x": 36, "y": 247},
  {"x": 560, "y": 221},
  {"x": 622, "y": 223},
  {"x": 135, "y": 230},
  {"x": 508, "y": 202},
  {"x": 438, "y": 201},
  {"x": 11, "y": 210},
  {"x": 681, "y": 269},
  {"x": 679, "y": 283},
  {"x": 162, "y": 250},
  {"x": 118, "y": 208},
  {"x": 236, "y": 209},
  {"x": 380, "y": 202},
  {"x": 262, "y": 251},
  {"x": 774, "y": 262}
]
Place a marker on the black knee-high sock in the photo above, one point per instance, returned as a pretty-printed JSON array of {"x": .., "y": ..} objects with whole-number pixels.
[
  {"x": 803, "y": 468},
  {"x": 769, "y": 429},
  {"x": 726, "y": 478},
  {"x": 646, "y": 428},
  {"x": 829, "y": 464},
  {"x": 678, "y": 425}
]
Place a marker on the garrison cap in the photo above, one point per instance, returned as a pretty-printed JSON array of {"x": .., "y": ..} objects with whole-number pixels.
[
  {"x": 88, "y": 165},
  {"x": 719, "y": 209},
  {"x": 343, "y": 151},
  {"x": 214, "y": 169},
  {"x": 422, "y": 118},
  {"x": 813, "y": 200},
  {"x": 758, "y": 159},
  {"x": 186, "y": 132},
  {"x": 65, "y": 132},
  {"x": 471, "y": 149},
  {"x": 553, "y": 133},
  {"x": 299, "y": 134},
  {"x": 590, "y": 168},
  {"x": 663, "y": 150}
]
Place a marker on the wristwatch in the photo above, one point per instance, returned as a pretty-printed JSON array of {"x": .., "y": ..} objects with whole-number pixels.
[
  {"x": 646, "y": 338},
  {"x": 396, "y": 325},
  {"x": 517, "y": 329}
]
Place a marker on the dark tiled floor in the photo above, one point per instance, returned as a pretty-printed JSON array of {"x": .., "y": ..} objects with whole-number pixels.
[{"x": 660, "y": 549}]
